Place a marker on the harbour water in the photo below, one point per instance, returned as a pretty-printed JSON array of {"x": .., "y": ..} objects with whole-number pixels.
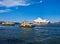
[{"x": 43, "y": 34}]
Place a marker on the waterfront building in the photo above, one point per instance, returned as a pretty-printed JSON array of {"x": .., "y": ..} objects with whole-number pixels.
[{"x": 40, "y": 21}]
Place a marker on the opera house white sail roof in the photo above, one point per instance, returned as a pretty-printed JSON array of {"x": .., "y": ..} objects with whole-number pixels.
[{"x": 40, "y": 20}]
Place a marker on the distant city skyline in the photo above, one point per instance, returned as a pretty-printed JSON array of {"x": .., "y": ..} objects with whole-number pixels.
[{"x": 29, "y": 10}]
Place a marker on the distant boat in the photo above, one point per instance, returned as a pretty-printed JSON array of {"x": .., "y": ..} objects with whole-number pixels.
[{"x": 8, "y": 23}]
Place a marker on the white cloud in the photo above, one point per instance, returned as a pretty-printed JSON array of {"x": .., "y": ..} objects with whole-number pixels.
[
  {"x": 11, "y": 3},
  {"x": 41, "y": 1},
  {"x": 6, "y": 10},
  {"x": 33, "y": 2}
]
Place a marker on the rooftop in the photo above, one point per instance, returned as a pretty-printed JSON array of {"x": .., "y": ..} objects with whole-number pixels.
[{"x": 40, "y": 20}]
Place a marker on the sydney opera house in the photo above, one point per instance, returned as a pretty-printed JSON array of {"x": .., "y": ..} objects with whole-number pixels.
[{"x": 40, "y": 21}]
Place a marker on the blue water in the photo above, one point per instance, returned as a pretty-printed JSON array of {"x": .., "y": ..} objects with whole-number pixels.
[{"x": 43, "y": 34}]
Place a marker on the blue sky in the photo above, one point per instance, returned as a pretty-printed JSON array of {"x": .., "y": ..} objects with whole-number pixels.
[{"x": 29, "y": 10}]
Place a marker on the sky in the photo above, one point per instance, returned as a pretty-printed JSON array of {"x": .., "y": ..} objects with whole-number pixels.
[{"x": 29, "y": 10}]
